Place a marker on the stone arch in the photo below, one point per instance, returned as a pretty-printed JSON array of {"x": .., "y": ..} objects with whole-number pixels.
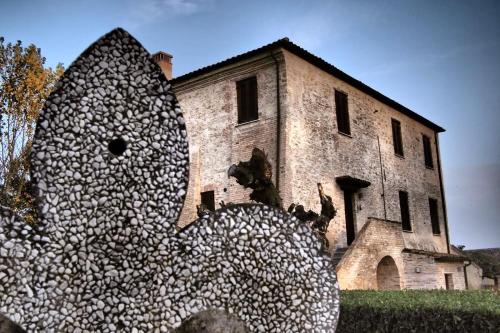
[{"x": 388, "y": 274}]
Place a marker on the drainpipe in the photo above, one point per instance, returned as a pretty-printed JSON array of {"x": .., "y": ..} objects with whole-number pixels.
[
  {"x": 278, "y": 122},
  {"x": 465, "y": 275},
  {"x": 382, "y": 177},
  {"x": 442, "y": 192}
]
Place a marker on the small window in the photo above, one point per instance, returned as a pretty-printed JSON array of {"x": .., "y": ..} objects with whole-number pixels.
[
  {"x": 342, "y": 111},
  {"x": 427, "y": 151},
  {"x": 433, "y": 208},
  {"x": 405, "y": 211},
  {"x": 396, "y": 137},
  {"x": 208, "y": 200},
  {"x": 247, "y": 100}
]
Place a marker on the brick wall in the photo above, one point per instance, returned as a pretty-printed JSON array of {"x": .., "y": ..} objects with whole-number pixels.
[
  {"x": 216, "y": 140},
  {"x": 312, "y": 150},
  {"x": 456, "y": 271},
  {"x": 420, "y": 271},
  {"x": 376, "y": 240},
  {"x": 318, "y": 153},
  {"x": 388, "y": 276}
]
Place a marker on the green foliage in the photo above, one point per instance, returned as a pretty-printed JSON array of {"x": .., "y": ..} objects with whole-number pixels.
[
  {"x": 419, "y": 311},
  {"x": 488, "y": 259},
  {"x": 25, "y": 83}
]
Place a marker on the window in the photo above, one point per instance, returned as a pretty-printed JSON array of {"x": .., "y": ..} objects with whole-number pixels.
[
  {"x": 396, "y": 137},
  {"x": 247, "y": 100},
  {"x": 433, "y": 208},
  {"x": 208, "y": 200},
  {"x": 342, "y": 110},
  {"x": 405, "y": 211},
  {"x": 427, "y": 151}
]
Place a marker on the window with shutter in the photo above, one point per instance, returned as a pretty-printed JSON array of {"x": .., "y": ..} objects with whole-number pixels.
[
  {"x": 427, "y": 151},
  {"x": 342, "y": 111},
  {"x": 405, "y": 211},
  {"x": 397, "y": 138},
  {"x": 433, "y": 209},
  {"x": 247, "y": 100}
]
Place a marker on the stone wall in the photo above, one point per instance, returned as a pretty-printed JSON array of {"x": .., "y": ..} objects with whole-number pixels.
[
  {"x": 457, "y": 272},
  {"x": 388, "y": 277},
  {"x": 105, "y": 255},
  {"x": 377, "y": 240},
  {"x": 474, "y": 276},
  {"x": 420, "y": 271}
]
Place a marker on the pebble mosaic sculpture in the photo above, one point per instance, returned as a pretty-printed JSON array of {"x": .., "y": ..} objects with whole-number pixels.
[{"x": 110, "y": 161}]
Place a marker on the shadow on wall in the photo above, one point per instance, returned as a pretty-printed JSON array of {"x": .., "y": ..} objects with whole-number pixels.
[{"x": 388, "y": 274}]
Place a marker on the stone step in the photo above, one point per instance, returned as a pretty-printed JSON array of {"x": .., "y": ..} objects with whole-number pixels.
[{"x": 338, "y": 254}]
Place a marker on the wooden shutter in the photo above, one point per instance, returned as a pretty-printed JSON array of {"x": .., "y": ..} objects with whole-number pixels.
[
  {"x": 427, "y": 151},
  {"x": 405, "y": 211},
  {"x": 247, "y": 100},
  {"x": 342, "y": 112},
  {"x": 397, "y": 138},
  {"x": 433, "y": 209}
]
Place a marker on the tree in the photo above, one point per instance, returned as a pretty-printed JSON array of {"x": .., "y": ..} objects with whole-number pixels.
[{"x": 25, "y": 83}]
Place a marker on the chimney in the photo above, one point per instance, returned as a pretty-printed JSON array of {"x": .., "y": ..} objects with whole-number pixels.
[{"x": 164, "y": 60}]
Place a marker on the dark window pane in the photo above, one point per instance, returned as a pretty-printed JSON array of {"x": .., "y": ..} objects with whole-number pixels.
[
  {"x": 247, "y": 100},
  {"x": 433, "y": 208},
  {"x": 427, "y": 151},
  {"x": 342, "y": 111},
  {"x": 208, "y": 200},
  {"x": 396, "y": 137},
  {"x": 405, "y": 211}
]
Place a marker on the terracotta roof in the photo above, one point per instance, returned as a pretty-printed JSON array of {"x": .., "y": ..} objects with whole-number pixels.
[
  {"x": 286, "y": 44},
  {"x": 488, "y": 259}
]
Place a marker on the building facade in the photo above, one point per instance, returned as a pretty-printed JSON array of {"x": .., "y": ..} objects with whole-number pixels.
[
  {"x": 378, "y": 160},
  {"x": 483, "y": 268}
]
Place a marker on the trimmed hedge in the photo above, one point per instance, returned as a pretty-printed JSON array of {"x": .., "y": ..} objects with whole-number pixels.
[{"x": 419, "y": 311}]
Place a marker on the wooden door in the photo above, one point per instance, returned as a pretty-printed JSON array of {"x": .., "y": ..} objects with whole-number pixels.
[{"x": 349, "y": 217}]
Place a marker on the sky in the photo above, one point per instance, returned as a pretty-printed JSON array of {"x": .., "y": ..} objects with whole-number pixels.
[{"x": 441, "y": 59}]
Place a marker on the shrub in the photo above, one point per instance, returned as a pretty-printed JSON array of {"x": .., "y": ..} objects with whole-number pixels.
[{"x": 419, "y": 311}]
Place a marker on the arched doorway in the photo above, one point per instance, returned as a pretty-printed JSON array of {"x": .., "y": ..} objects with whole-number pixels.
[{"x": 387, "y": 274}]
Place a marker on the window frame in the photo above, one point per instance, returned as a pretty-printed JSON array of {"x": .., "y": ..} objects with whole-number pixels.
[
  {"x": 434, "y": 215},
  {"x": 343, "y": 118},
  {"x": 428, "y": 160},
  {"x": 247, "y": 100},
  {"x": 405, "y": 218},
  {"x": 203, "y": 197},
  {"x": 397, "y": 138}
]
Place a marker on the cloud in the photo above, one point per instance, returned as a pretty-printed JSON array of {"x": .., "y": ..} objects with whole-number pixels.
[{"x": 150, "y": 11}]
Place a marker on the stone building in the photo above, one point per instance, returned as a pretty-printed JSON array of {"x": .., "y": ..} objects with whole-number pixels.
[
  {"x": 377, "y": 159},
  {"x": 482, "y": 268}
]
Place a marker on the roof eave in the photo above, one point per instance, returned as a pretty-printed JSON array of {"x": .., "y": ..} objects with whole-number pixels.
[{"x": 321, "y": 64}]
